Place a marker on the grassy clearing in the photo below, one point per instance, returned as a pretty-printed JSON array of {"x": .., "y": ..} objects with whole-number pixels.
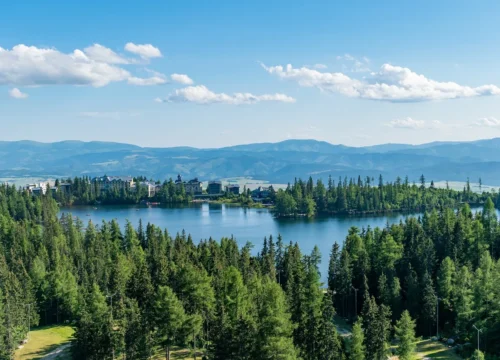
[
  {"x": 44, "y": 341},
  {"x": 435, "y": 350}
]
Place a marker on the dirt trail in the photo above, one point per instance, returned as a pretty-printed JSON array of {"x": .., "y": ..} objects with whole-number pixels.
[{"x": 54, "y": 354}]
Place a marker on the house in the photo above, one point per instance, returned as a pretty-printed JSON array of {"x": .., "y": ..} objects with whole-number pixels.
[
  {"x": 261, "y": 192},
  {"x": 191, "y": 187},
  {"x": 106, "y": 183},
  {"x": 214, "y": 187},
  {"x": 233, "y": 189}
]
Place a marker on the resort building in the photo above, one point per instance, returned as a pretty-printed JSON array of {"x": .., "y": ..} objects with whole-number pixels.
[
  {"x": 261, "y": 193},
  {"x": 214, "y": 187},
  {"x": 233, "y": 189},
  {"x": 106, "y": 183},
  {"x": 192, "y": 187}
]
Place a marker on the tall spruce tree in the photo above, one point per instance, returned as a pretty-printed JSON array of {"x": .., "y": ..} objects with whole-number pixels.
[{"x": 405, "y": 335}]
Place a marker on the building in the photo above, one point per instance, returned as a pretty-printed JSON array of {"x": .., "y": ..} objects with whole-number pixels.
[
  {"x": 65, "y": 187},
  {"x": 214, "y": 187},
  {"x": 233, "y": 189},
  {"x": 106, "y": 183},
  {"x": 40, "y": 188},
  {"x": 261, "y": 193},
  {"x": 192, "y": 187},
  {"x": 151, "y": 187}
]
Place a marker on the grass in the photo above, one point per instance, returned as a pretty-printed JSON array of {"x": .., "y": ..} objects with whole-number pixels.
[
  {"x": 428, "y": 349},
  {"x": 43, "y": 341},
  {"x": 435, "y": 350}
]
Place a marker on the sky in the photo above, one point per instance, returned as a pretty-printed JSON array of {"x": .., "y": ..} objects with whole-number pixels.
[{"x": 224, "y": 72}]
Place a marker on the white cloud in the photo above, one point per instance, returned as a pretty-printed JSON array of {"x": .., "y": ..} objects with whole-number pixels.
[
  {"x": 95, "y": 66},
  {"x": 356, "y": 65},
  {"x": 202, "y": 95},
  {"x": 146, "y": 51},
  {"x": 410, "y": 123},
  {"x": 17, "y": 94},
  {"x": 154, "y": 80},
  {"x": 320, "y": 66},
  {"x": 407, "y": 123},
  {"x": 103, "y": 54},
  {"x": 182, "y": 79},
  {"x": 487, "y": 122},
  {"x": 391, "y": 83},
  {"x": 107, "y": 114}
]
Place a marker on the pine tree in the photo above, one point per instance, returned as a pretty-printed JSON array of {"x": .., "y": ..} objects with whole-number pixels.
[
  {"x": 5, "y": 351},
  {"x": 275, "y": 328},
  {"x": 333, "y": 268},
  {"x": 93, "y": 333},
  {"x": 327, "y": 343},
  {"x": 405, "y": 335},
  {"x": 428, "y": 304},
  {"x": 169, "y": 318},
  {"x": 357, "y": 346},
  {"x": 462, "y": 298}
]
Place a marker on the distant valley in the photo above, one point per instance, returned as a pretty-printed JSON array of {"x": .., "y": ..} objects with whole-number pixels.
[{"x": 275, "y": 162}]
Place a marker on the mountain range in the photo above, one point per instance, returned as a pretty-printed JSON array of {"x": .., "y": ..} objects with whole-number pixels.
[{"x": 275, "y": 162}]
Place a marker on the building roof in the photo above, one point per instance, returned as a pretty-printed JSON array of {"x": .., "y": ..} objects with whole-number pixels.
[{"x": 113, "y": 178}]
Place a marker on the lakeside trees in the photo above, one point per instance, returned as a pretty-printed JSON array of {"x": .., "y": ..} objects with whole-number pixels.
[
  {"x": 137, "y": 292},
  {"x": 359, "y": 196}
]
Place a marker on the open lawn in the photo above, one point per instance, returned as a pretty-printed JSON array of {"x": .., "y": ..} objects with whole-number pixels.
[
  {"x": 49, "y": 343},
  {"x": 435, "y": 350}
]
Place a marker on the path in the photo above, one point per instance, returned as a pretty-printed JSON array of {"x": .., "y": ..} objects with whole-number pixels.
[{"x": 56, "y": 353}]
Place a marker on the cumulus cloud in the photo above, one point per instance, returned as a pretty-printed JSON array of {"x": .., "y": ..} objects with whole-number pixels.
[
  {"x": 182, "y": 79},
  {"x": 95, "y": 66},
  {"x": 153, "y": 80},
  {"x": 202, "y": 95},
  {"x": 391, "y": 83},
  {"x": 146, "y": 51},
  {"x": 487, "y": 122},
  {"x": 103, "y": 54},
  {"x": 17, "y": 94},
  {"x": 407, "y": 123}
]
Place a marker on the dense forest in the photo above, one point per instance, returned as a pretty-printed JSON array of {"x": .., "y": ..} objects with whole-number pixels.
[
  {"x": 363, "y": 196},
  {"x": 82, "y": 191},
  {"x": 137, "y": 292}
]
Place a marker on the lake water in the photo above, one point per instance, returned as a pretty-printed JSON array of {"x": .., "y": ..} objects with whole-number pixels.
[{"x": 245, "y": 224}]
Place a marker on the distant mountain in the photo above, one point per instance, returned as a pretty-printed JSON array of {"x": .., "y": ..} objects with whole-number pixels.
[{"x": 276, "y": 162}]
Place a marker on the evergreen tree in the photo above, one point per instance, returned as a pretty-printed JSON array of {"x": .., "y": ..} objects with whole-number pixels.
[
  {"x": 328, "y": 344},
  {"x": 405, "y": 335},
  {"x": 357, "y": 346},
  {"x": 169, "y": 319}
]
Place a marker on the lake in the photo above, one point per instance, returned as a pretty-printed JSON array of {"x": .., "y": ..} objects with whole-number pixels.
[{"x": 245, "y": 224}]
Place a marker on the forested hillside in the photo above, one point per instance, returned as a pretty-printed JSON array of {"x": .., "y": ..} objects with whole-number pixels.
[
  {"x": 134, "y": 292},
  {"x": 273, "y": 162}
]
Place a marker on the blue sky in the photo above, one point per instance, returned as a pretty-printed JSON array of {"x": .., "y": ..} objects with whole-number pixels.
[{"x": 214, "y": 73}]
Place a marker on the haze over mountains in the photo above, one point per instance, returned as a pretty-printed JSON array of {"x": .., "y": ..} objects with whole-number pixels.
[{"x": 275, "y": 162}]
